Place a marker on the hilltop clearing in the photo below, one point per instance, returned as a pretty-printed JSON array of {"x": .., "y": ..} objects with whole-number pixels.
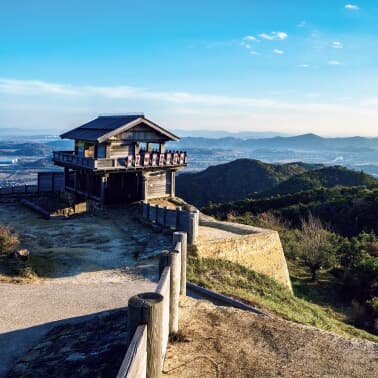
[{"x": 227, "y": 342}]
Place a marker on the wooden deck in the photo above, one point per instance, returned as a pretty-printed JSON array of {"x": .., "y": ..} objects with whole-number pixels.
[{"x": 131, "y": 162}]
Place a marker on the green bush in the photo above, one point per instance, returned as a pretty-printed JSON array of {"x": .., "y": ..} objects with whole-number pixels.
[{"x": 8, "y": 240}]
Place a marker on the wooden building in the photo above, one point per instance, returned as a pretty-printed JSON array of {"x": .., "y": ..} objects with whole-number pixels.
[{"x": 120, "y": 158}]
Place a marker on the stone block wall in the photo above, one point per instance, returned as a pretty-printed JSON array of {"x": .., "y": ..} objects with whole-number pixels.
[{"x": 255, "y": 248}]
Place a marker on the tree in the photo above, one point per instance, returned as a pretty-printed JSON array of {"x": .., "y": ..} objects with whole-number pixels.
[{"x": 316, "y": 246}]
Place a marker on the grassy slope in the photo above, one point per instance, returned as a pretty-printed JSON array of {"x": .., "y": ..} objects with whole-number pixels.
[{"x": 259, "y": 290}]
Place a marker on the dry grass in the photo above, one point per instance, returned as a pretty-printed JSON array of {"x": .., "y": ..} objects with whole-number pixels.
[
  {"x": 9, "y": 241},
  {"x": 261, "y": 291}
]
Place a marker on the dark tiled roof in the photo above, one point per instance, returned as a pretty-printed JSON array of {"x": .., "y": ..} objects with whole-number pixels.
[
  {"x": 103, "y": 127},
  {"x": 100, "y": 126}
]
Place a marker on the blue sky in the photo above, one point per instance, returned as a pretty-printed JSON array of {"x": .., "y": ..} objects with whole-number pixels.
[{"x": 293, "y": 66}]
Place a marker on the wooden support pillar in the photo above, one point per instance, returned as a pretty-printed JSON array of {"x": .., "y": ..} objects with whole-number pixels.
[
  {"x": 173, "y": 184},
  {"x": 87, "y": 183},
  {"x": 162, "y": 148},
  {"x": 66, "y": 176},
  {"x": 144, "y": 187},
  {"x": 75, "y": 180},
  {"x": 147, "y": 308},
  {"x": 181, "y": 237},
  {"x": 104, "y": 181}
]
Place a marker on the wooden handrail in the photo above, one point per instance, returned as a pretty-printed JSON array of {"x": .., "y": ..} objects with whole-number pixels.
[{"x": 143, "y": 160}]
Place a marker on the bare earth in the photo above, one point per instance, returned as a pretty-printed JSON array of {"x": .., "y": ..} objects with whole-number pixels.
[
  {"x": 227, "y": 342},
  {"x": 88, "y": 264}
]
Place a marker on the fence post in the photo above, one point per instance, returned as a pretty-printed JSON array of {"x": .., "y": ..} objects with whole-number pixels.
[
  {"x": 147, "y": 308},
  {"x": 181, "y": 237},
  {"x": 178, "y": 211},
  {"x": 174, "y": 296},
  {"x": 193, "y": 227}
]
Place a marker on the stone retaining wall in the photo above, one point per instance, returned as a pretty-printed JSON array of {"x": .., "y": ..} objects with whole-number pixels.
[{"x": 255, "y": 248}]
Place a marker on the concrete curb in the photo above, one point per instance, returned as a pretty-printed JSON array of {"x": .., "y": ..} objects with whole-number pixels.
[{"x": 223, "y": 299}]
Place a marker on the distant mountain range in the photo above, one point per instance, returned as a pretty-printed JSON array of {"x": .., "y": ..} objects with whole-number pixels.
[
  {"x": 253, "y": 178},
  {"x": 300, "y": 142},
  {"x": 226, "y": 134}
]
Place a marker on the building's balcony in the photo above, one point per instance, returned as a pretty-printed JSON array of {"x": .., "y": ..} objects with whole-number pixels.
[{"x": 132, "y": 162}]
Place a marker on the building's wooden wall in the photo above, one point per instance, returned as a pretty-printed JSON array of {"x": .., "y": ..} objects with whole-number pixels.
[
  {"x": 119, "y": 149},
  {"x": 159, "y": 184},
  {"x": 143, "y": 133}
]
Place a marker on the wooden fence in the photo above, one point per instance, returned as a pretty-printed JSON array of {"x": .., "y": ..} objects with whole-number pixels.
[
  {"x": 47, "y": 182},
  {"x": 176, "y": 219},
  {"x": 153, "y": 316},
  {"x": 19, "y": 189}
]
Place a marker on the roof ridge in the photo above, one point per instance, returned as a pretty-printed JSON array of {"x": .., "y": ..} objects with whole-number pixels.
[{"x": 121, "y": 115}]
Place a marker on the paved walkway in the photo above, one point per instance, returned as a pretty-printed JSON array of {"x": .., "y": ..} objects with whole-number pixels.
[{"x": 28, "y": 312}]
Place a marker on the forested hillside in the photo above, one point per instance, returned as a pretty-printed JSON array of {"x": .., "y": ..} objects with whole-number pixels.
[
  {"x": 327, "y": 177},
  {"x": 330, "y": 239},
  {"x": 347, "y": 211},
  {"x": 235, "y": 180},
  {"x": 253, "y": 178}
]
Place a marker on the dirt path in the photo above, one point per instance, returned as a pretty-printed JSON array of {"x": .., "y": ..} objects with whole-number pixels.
[
  {"x": 226, "y": 342},
  {"x": 81, "y": 266}
]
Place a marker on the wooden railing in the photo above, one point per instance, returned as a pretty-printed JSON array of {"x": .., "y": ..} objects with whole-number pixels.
[
  {"x": 19, "y": 189},
  {"x": 153, "y": 316},
  {"x": 175, "y": 219},
  {"x": 142, "y": 160},
  {"x": 69, "y": 157}
]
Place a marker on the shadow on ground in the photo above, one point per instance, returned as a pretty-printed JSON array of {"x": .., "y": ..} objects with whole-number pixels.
[{"x": 71, "y": 347}]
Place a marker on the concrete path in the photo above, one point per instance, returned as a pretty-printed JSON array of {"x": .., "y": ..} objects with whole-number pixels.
[{"x": 28, "y": 312}]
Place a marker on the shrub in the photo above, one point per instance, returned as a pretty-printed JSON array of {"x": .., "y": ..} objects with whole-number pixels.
[{"x": 8, "y": 240}]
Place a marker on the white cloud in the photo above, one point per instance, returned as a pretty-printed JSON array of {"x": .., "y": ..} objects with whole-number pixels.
[
  {"x": 250, "y": 38},
  {"x": 278, "y": 52},
  {"x": 334, "y": 63},
  {"x": 34, "y": 88},
  {"x": 38, "y": 104},
  {"x": 304, "y": 65},
  {"x": 246, "y": 45},
  {"x": 252, "y": 52},
  {"x": 352, "y": 7},
  {"x": 302, "y": 24},
  {"x": 337, "y": 45},
  {"x": 274, "y": 36}
]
